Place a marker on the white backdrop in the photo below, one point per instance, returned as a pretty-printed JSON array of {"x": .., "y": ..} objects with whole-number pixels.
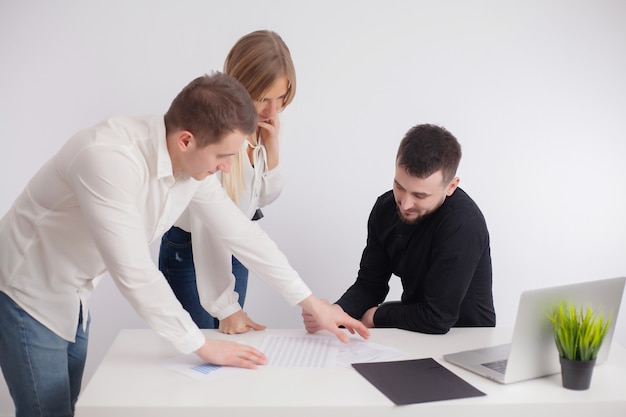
[{"x": 534, "y": 90}]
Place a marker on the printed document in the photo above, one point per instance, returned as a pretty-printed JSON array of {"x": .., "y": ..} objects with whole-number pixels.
[{"x": 287, "y": 351}]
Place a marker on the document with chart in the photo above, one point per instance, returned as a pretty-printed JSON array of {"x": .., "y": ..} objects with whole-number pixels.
[{"x": 289, "y": 351}]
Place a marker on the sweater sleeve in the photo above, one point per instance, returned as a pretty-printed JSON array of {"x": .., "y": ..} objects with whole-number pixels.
[
  {"x": 372, "y": 283},
  {"x": 458, "y": 244}
]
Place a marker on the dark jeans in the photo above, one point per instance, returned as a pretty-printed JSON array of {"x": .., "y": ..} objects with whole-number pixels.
[
  {"x": 42, "y": 370},
  {"x": 176, "y": 263}
]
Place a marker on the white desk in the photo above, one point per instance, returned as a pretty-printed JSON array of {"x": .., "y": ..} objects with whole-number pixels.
[{"x": 131, "y": 381}]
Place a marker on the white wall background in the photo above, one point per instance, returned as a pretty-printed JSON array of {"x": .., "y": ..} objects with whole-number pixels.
[{"x": 534, "y": 90}]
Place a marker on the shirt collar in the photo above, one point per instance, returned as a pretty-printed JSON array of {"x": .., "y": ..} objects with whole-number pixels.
[{"x": 164, "y": 162}]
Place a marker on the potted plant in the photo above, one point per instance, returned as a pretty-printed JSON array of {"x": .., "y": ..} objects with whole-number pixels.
[{"x": 578, "y": 333}]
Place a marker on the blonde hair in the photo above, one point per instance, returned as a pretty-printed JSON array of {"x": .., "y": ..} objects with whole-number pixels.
[{"x": 257, "y": 60}]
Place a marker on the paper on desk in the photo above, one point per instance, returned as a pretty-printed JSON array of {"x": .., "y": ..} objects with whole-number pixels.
[
  {"x": 286, "y": 351},
  {"x": 359, "y": 351},
  {"x": 321, "y": 351},
  {"x": 308, "y": 351},
  {"x": 192, "y": 366}
]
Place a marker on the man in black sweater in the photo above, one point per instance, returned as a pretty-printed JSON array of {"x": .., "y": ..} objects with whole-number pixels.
[{"x": 429, "y": 233}]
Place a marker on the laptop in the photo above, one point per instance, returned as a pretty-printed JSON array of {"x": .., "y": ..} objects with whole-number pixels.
[{"x": 532, "y": 352}]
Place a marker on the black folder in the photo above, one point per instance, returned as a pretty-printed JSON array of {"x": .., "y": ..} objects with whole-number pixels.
[{"x": 416, "y": 381}]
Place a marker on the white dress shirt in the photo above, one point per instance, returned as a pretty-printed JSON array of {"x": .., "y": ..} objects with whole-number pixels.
[
  {"x": 96, "y": 206},
  {"x": 261, "y": 187}
]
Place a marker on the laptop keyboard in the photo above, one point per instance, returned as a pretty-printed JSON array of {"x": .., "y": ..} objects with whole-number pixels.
[{"x": 498, "y": 366}]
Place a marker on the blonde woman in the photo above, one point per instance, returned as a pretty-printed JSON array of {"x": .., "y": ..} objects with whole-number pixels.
[{"x": 261, "y": 62}]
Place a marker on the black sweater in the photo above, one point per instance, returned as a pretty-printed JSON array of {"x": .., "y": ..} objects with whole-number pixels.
[{"x": 443, "y": 261}]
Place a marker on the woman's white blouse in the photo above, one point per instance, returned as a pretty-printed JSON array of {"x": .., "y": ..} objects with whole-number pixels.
[{"x": 262, "y": 186}]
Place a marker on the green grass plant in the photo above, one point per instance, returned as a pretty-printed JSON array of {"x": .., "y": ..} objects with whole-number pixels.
[{"x": 578, "y": 332}]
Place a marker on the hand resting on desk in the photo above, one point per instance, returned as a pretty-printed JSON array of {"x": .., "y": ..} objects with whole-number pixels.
[
  {"x": 239, "y": 322},
  {"x": 223, "y": 352}
]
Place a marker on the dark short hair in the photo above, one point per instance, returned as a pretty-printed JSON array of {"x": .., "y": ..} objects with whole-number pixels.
[
  {"x": 210, "y": 107},
  {"x": 426, "y": 149}
]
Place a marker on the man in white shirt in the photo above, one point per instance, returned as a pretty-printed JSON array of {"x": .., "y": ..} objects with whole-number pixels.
[{"x": 95, "y": 207}]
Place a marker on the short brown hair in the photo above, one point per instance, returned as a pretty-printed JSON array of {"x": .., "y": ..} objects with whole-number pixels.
[
  {"x": 210, "y": 107},
  {"x": 426, "y": 149}
]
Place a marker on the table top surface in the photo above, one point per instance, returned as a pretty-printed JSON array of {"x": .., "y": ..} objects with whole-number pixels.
[{"x": 131, "y": 378}]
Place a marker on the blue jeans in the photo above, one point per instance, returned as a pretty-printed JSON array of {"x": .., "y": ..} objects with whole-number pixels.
[
  {"x": 42, "y": 370},
  {"x": 176, "y": 263}
]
